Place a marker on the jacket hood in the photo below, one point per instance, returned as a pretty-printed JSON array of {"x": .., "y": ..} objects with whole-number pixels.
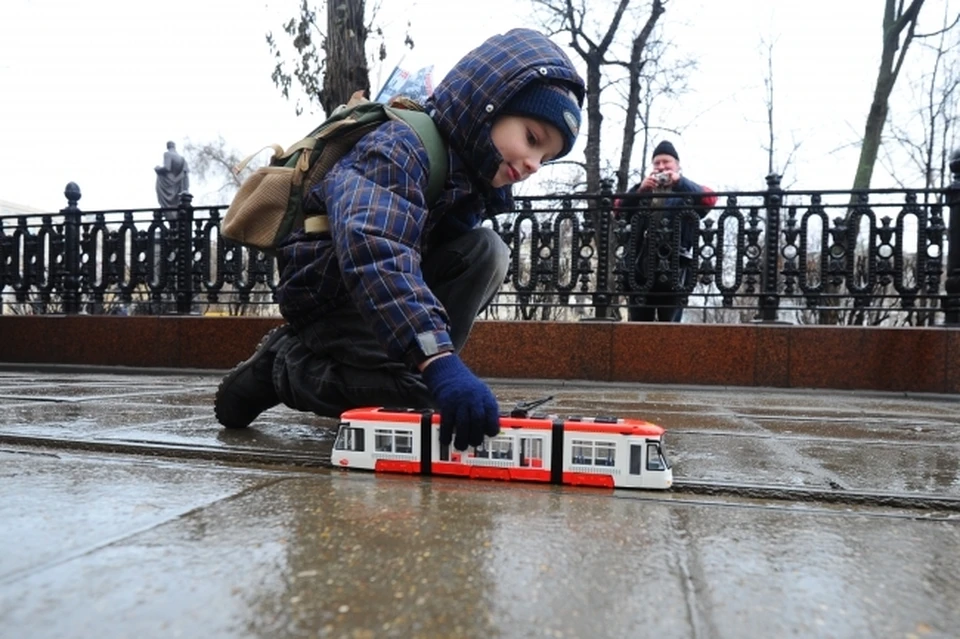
[{"x": 469, "y": 98}]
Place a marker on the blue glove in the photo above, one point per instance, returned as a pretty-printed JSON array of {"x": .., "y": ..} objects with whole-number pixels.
[{"x": 466, "y": 405}]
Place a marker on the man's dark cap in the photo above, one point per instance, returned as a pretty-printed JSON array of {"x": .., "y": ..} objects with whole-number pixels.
[{"x": 665, "y": 148}]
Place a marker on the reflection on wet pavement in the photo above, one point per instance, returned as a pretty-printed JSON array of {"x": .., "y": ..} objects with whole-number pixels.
[{"x": 118, "y": 545}]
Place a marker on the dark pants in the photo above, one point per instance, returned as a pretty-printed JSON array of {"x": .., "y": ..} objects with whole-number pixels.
[
  {"x": 662, "y": 303},
  {"x": 337, "y": 363}
]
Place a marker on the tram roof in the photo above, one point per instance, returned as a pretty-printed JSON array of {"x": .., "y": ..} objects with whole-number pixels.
[{"x": 593, "y": 425}]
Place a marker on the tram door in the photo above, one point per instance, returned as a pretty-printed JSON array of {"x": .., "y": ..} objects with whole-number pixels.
[
  {"x": 531, "y": 452},
  {"x": 636, "y": 458}
]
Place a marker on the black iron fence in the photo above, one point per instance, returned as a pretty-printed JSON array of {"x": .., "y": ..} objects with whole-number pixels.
[{"x": 878, "y": 257}]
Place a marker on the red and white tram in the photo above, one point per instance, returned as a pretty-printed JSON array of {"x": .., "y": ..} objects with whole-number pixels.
[{"x": 597, "y": 451}]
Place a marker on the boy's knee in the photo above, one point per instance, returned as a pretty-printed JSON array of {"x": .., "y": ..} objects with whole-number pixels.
[{"x": 494, "y": 250}]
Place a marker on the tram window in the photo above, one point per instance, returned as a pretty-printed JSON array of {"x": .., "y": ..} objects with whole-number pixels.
[
  {"x": 636, "y": 458},
  {"x": 349, "y": 439},
  {"x": 383, "y": 441},
  {"x": 536, "y": 447},
  {"x": 495, "y": 449},
  {"x": 588, "y": 453},
  {"x": 654, "y": 460},
  {"x": 663, "y": 458},
  {"x": 531, "y": 448},
  {"x": 501, "y": 449},
  {"x": 404, "y": 442},
  {"x": 392, "y": 441},
  {"x": 582, "y": 452},
  {"x": 605, "y": 454}
]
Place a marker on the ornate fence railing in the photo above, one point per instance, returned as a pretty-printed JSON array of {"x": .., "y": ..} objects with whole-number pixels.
[{"x": 878, "y": 257}]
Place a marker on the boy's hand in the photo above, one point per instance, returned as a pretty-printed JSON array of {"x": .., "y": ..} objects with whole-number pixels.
[{"x": 467, "y": 406}]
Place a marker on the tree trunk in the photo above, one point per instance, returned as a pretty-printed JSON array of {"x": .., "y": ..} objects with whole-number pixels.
[
  {"x": 896, "y": 20},
  {"x": 346, "y": 58},
  {"x": 630, "y": 120},
  {"x": 594, "y": 120},
  {"x": 637, "y": 61},
  {"x": 873, "y": 133}
]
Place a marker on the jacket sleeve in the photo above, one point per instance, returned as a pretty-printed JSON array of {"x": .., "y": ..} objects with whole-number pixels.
[
  {"x": 707, "y": 201},
  {"x": 376, "y": 202},
  {"x": 621, "y": 206}
]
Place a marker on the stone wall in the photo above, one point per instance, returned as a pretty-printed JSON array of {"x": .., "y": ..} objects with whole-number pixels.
[{"x": 883, "y": 359}]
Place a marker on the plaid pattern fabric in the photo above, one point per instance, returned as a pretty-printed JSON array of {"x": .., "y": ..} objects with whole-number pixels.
[{"x": 374, "y": 197}]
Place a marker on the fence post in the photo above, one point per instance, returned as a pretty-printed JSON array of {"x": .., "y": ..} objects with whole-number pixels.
[
  {"x": 769, "y": 293},
  {"x": 951, "y": 301},
  {"x": 184, "y": 235},
  {"x": 603, "y": 297},
  {"x": 71, "y": 250}
]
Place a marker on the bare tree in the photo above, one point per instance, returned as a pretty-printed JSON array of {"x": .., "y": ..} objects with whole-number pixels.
[
  {"x": 943, "y": 90},
  {"x": 330, "y": 63},
  {"x": 899, "y": 22},
  {"x": 899, "y": 30},
  {"x": 774, "y": 167},
  {"x": 937, "y": 91},
  {"x": 659, "y": 80},
  {"x": 596, "y": 50},
  {"x": 639, "y": 58},
  {"x": 214, "y": 164}
]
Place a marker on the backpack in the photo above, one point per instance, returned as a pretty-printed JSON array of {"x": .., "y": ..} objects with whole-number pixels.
[{"x": 269, "y": 204}]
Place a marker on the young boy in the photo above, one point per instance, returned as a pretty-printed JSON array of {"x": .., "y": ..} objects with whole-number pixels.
[{"x": 379, "y": 306}]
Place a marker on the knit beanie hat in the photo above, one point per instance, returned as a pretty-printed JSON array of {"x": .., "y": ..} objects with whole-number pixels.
[
  {"x": 551, "y": 103},
  {"x": 665, "y": 148}
]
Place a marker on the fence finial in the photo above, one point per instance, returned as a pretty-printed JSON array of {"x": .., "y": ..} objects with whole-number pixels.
[{"x": 72, "y": 193}]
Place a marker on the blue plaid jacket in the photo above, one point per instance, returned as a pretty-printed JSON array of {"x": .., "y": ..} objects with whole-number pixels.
[{"x": 380, "y": 223}]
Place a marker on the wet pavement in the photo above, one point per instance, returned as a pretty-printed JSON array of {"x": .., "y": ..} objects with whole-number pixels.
[{"x": 128, "y": 512}]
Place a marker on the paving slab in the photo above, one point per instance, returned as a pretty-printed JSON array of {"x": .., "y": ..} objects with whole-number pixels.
[
  {"x": 105, "y": 537},
  {"x": 112, "y": 546},
  {"x": 816, "y": 439}
]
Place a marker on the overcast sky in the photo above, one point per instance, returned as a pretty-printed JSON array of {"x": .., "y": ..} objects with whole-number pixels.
[{"x": 91, "y": 91}]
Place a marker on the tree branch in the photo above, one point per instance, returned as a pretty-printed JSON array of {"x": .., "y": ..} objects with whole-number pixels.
[{"x": 940, "y": 31}]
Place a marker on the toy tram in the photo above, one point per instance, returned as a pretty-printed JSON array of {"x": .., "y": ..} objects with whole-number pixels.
[{"x": 579, "y": 451}]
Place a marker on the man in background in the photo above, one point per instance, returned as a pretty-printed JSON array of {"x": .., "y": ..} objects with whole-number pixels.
[{"x": 665, "y": 298}]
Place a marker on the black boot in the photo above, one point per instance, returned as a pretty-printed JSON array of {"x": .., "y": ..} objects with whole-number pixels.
[{"x": 247, "y": 390}]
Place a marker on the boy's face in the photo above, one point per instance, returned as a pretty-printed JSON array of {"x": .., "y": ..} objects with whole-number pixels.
[{"x": 525, "y": 144}]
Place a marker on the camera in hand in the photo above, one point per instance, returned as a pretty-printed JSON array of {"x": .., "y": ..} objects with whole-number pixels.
[{"x": 663, "y": 179}]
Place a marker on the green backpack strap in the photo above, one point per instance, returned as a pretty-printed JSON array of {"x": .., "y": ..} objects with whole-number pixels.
[{"x": 427, "y": 131}]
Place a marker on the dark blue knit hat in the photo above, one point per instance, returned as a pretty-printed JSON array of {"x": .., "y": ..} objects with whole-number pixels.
[
  {"x": 551, "y": 103},
  {"x": 666, "y": 148}
]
